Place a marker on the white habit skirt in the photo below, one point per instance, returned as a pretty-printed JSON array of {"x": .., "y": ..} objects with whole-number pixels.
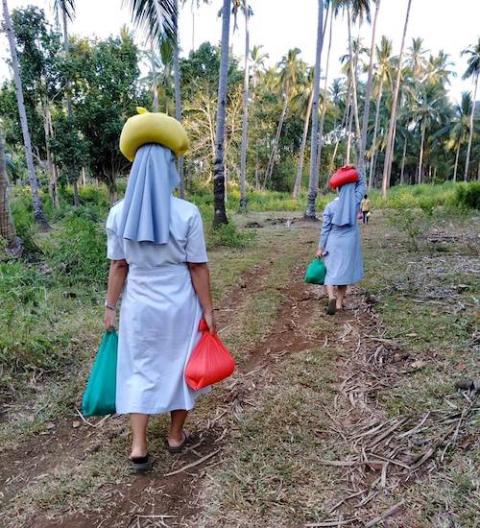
[{"x": 158, "y": 330}]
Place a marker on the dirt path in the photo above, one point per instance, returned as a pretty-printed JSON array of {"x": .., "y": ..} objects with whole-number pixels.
[{"x": 356, "y": 462}]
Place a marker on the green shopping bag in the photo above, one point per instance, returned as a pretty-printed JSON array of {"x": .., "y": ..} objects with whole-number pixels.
[
  {"x": 99, "y": 396},
  {"x": 316, "y": 272}
]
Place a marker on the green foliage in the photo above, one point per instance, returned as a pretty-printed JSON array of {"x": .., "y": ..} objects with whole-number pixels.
[
  {"x": 77, "y": 252},
  {"x": 69, "y": 148},
  {"x": 105, "y": 92},
  {"x": 228, "y": 235},
  {"x": 468, "y": 195}
]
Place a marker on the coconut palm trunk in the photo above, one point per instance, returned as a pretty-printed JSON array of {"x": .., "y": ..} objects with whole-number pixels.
[
  {"x": 246, "y": 96},
  {"x": 220, "y": 214},
  {"x": 178, "y": 104},
  {"x": 313, "y": 183},
  {"x": 421, "y": 155},
  {"x": 387, "y": 169},
  {"x": 68, "y": 100},
  {"x": 7, "y": 227},
  {"x": 457, "y": 157},
  {"x": 325, "y": 88},
  {"x": 470, "y": 135},
  {"x": 375, "y": 133},
  {"x": 32, "y": 177},
  {"x": 404, "y": 156},
  {"x": 276, "y": 141},
  {"x": 153, "y": 72},
  {"x": 368, "y": 94},
  {"x": 353, "y": 73},
  {"x": 349, "y": 129},
  {"x": 301, "y": 156}
]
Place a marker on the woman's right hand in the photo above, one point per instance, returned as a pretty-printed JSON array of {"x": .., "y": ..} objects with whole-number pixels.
[
  {"x": 210, "y": 320},
  {"x": 321, "y": 253},
  {"x": 109, "y": 319}
]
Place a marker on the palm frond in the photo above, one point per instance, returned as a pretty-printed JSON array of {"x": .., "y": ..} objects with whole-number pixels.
[
  {"x": 157, "y": 17},
  {"x": 65, "y": 5}
]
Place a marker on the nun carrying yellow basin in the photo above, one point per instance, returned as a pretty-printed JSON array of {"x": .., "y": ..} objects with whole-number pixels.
[{"x": 159, "y": 265}]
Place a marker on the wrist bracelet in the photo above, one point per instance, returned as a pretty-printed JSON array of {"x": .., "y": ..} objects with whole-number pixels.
[{"x": 110, "y": 307}]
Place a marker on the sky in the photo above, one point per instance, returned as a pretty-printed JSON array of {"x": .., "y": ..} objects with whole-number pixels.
[{"x": 279, "y": 25}]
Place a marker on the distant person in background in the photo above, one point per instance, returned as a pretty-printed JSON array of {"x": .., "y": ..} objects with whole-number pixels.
[
  {"x": 340, "y": 244},
  {"x": 365, "y": 208},
  {"x": 159, "y": 261}
]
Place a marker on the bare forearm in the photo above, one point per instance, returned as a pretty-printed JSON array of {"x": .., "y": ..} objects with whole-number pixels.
[
  {"x": 116, "y": 281},
  {"x": 201, "y": 283}
]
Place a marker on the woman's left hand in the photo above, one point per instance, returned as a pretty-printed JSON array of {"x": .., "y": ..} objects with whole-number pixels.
[{"x": 320, "y": 253}]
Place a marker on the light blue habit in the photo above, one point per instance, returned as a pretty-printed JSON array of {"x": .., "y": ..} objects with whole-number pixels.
[
  {"x": 340, "y": 236},
  {"x": 146, "y": 209}
]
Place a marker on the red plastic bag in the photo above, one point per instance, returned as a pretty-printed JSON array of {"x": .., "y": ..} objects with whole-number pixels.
[
  {"x": 210, "y": 361},
  {"x": 344, "y": 175}
]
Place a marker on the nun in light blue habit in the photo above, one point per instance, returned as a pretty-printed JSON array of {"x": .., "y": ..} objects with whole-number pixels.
[
  {"x": 340, "y": 242},
  {"x": 159, "y": 236}
]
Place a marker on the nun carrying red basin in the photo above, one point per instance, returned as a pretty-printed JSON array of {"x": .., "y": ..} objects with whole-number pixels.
[{"x": 340, "y": 244}]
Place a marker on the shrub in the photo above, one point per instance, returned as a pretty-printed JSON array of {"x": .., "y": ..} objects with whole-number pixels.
[
  {"x": 468, "y": 195},
  {"x": 78, "y": 251},
  {"x": 228, "y": 236}
]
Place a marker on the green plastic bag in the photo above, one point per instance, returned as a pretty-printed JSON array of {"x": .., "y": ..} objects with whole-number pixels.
[
  {"x": 99, "y": 396},
  {"x": 316, "y": 272}
]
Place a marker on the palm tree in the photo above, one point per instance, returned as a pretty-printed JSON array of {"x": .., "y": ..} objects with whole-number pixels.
[
  {"x": 313, "y": 183},
  {"x": 247, "y": 12},
  {"x": 426, "y": 109},
  {"x": 7, "y": 226},
  {"x": 32, "y": 177},
  {"x": 67, "y": 10},
  {"x": 472, "y": 71},
  {"x": 288, "y": 79},
  {"x": 257, "y": 62},
  {"x": 194, "y": 5},
  {"x": 368, "y": 92},
  {"x": 305, "y": 102},
  {"x": 352, "y": 107},
  {"x": 355, "y": 10},
  {"x": 417, "y": 61},
  {"x": 160, "y": 18},
  {"x": 460, "y": 128},
  {"x": 387, "y": 169},
  {"x": 383, "y": 75},
  {"x": 220, "y": 214},
  {"x": 325, "y": 86}
]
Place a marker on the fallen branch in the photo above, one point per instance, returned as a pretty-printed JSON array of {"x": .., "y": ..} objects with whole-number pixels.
[
  {"x": 193, "y": 464},
  {"x": 385, "y": 514},
  {"x": 326, "y": 524}
]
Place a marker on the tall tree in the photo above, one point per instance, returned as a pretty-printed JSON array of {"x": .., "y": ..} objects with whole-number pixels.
[
  {"x": 220, "y": 214},
  {"x": 7, "y": 226},
  {"x": 472, "y": 71},
  {"x": 160, "y": 18},
  {"x": 459, "y": 129},
  {"x": 67, "y": 11},
  {"x": 247, "y": 12},
  {"x": 194, "y": 5},
  {"x": 313, "y": 183},
  {"x": 323, "y": 110},
  {"x": 387, "y": 169},
  {"x": 32, "y": 177},
  {"x": 383, "y": 75},
  {"x": 287, "y": 80},
  {"x": 368, "y": 92},
  {"x": 306, "y": 96}
]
